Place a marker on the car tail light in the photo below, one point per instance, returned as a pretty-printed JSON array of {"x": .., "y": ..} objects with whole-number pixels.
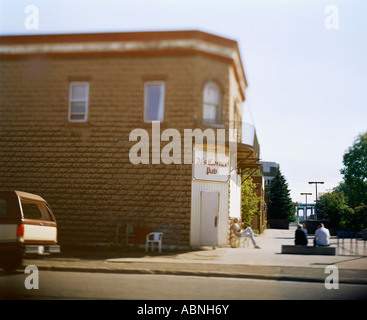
[{"x": 20, "y": 230}]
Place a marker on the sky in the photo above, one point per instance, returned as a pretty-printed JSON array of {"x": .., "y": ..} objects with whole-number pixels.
[{"x": 305, "y": 62}]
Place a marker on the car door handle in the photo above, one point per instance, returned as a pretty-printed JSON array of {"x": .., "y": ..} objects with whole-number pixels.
[{"x": 41, "y": 224}]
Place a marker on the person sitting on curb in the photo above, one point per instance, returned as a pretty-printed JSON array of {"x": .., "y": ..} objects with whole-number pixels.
[
  {"x": 245, "y": 233},
  {"x": 301, "y": 236},
  {"x": 322, "y": 236}
]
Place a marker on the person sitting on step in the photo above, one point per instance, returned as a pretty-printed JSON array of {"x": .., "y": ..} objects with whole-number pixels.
[
  {"x": 244, "y": 233},
  {"x": 301, "y": 236}
]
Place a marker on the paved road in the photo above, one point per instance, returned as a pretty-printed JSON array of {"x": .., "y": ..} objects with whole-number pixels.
[{"x": 76, "y": 285}]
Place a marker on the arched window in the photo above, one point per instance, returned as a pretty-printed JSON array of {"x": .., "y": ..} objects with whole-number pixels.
[{"x": 212, "y": 103}]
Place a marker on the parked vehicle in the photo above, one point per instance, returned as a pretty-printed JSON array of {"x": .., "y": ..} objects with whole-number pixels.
[{"x": 27, "y": 226}]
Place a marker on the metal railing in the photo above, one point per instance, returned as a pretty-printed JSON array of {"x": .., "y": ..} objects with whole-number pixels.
[
  {"x": 246, "y": 132},
  {"x": 352, "y": 243}
]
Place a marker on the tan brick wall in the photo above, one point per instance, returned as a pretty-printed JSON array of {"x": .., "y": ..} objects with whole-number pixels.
[{"x": 83, "y": 170}]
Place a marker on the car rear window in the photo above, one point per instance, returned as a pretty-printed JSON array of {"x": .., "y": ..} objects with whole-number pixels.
[
  {"x": 31, "y": 211},
  {"x": 47, "y": 214},
  {"x": 9, "y": 205},
  {"x": 3, "y": 207},
  {"x": 35, "y": 210}
]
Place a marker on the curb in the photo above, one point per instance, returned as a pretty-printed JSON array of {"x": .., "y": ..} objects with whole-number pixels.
[{"x": 178, "y": 272}]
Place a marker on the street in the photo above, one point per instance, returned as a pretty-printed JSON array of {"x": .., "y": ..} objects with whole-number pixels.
[{"x": 84, "y": 285}]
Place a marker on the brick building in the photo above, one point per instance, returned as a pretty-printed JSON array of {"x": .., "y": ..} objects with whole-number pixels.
[
  {"x": 69, "y": 104},
  {"x": 268, "y": 170}
]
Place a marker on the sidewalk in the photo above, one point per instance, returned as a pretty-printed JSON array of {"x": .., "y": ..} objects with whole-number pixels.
[{"x": 265, "y": 263}]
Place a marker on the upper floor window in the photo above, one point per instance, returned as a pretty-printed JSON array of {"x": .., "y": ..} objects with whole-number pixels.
[
  {"x": 154, "y": 100},
  {"x": 212, "y": 103},
  {"x": 78, "y": 101},
  {"x": 266, "y": 169}
]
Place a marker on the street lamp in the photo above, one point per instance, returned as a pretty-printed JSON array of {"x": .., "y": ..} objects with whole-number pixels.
[
  {"x": 306, "y": 194},
  {"x": 316, "y": 183}
]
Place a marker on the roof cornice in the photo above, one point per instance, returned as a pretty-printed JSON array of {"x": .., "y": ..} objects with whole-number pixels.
[{"x": 129, "y": 43}]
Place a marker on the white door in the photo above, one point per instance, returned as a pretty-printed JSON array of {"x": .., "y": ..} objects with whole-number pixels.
[{"x": 209, "y": 218}]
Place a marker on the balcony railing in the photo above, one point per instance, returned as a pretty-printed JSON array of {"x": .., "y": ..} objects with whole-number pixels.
[{"x": 246, "y": 132}]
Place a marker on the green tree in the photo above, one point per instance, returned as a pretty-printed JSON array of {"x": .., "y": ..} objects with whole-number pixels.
[
  {"x": 280, "y": 205},
  {"x": 249, "y": 201},
  {"x": 359, "y": 220},
  {"x": 355, "y": 172},
  {"x": 334, "y": 208}
]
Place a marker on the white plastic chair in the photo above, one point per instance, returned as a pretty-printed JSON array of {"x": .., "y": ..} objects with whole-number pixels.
[{"x": 152, "y": 238}]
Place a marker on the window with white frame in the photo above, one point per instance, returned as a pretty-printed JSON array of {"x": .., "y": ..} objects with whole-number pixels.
[
  {"x": 154, "y": 92},
  {"x": 212, "y": 98},
  {"x": 78, "y": 101}
]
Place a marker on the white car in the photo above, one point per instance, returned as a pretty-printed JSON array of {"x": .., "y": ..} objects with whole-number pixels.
[{"x": 27, "y": 226}]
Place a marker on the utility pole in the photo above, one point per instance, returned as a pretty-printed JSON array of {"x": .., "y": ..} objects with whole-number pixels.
[
  {"x": 305, "y": 194},
  {"x": 316, "y": 183}
]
